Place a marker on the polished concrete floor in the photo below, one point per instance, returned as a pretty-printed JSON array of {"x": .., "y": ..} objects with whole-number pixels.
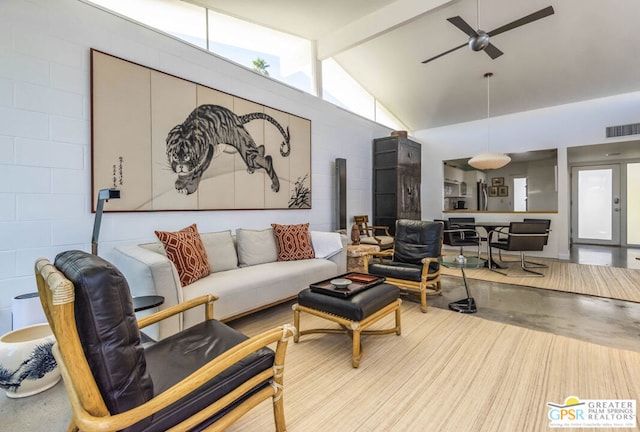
[
  {"x": 604, "y": 321},
  {"x": 613, "y": 323},
  {"x": 607, "y": 322},
  {"x": 606, "y": 256}
]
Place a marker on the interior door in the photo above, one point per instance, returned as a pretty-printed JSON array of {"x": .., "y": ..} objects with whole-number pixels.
[{"x": 595, "y": 204}]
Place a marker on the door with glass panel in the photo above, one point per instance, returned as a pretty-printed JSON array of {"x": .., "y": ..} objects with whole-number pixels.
[
  {"x": 596, "y": 204},
  {"x": 632, "y": 214}
]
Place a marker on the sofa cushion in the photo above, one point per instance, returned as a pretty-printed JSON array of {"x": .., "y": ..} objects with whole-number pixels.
[
  {"x": 254, "y": 287},
  {"x": 294, "y": 242},
  {"x": 256, "y": 246},
  {"x": 325, "y": 244},
  {"x": 221, "y": 251},
  {"x": 185, "y": 249}
]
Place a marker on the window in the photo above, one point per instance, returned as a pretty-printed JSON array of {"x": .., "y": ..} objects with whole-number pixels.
[
  {"x": 279, "y": 55},
  {"x": 595, "y": 197},
  {"x": 519, "y": 194},
  {"x": 385, "y": 117},
  {"x": 182, "y": 20},
  {"x": 339, "y": 88},
  {"x": 284, "y": 57},
  {"x": 633, "y": 204}
]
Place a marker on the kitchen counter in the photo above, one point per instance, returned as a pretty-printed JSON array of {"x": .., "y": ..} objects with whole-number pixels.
[{"x": 499, "y": 211}]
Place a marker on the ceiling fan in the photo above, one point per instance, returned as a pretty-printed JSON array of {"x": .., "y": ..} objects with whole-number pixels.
[{"x": 479, "y": 40}]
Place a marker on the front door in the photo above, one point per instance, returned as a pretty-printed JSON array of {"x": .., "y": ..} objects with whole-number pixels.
[{"x": 595, "y": 204}]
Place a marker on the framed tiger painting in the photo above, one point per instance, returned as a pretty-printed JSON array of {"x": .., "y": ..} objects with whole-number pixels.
[{"x": 171, "y": 144}]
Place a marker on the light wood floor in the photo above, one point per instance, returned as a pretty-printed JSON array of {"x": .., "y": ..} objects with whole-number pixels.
[{"x": 446, "y": 372}]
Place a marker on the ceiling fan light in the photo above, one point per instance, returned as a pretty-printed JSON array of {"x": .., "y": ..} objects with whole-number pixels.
[
  {"x": 487, "y": 161},
  {"x": 479, "y": 42}
]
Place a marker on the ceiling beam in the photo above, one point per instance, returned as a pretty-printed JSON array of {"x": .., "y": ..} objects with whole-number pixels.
[{"x": 376, "y": 23}]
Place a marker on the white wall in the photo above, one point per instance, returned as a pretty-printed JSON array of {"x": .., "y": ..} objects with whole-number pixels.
[
  {"x": 560, "y": 127},
  {"x": 45, "y": 146}
]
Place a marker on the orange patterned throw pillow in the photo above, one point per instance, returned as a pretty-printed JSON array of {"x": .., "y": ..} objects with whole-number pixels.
[
  {"x": 294, "y": 242},
  {"x": 185, "y": 249}
]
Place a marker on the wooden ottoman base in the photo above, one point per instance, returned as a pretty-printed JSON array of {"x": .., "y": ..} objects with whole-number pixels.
[{"x": 352, "y": 328}]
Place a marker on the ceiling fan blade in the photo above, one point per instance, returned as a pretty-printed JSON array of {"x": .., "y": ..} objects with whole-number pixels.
[
  {"x": 462, "y": 25},
  {"x": 445, "y": 53},
  {"x": 522, "y": 21},
  {"x": 492, "y": 51}
]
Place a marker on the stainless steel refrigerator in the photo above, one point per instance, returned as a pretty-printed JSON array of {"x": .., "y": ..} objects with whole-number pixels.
[{"x": 482, "y": 195}]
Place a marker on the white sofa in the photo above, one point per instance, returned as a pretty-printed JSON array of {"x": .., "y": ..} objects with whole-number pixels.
[{"x": 245, "y": 273}]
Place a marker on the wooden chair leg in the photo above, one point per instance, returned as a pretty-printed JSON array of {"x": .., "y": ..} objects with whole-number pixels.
[
  {"x": 278, "y": 413},
  {"x": 296, "y": 323},
  {"x": 423, "y": 299},
  {"x": 357, "y": 348}
]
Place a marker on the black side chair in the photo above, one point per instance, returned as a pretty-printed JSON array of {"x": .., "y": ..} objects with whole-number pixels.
[
  {"x": 460, "y": 236},
  {"x": 521, "y": 237},
  {"x": 466, "y": 222},
  {"x": 547, "y": 225},
  {"x": 414, "y": 258}
]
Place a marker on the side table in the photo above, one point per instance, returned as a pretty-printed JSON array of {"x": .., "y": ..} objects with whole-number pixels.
[
  {"x": 355, "y": 262},
  {"x": 466, "y": 305},
  {"x": 141, "y": 303}
]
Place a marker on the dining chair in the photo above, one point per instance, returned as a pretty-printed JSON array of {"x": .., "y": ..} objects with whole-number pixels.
[
  {"x": 547, "y": 224},
  {"x": 521, "y": 237},
  {"x": 460, "y": 236}
]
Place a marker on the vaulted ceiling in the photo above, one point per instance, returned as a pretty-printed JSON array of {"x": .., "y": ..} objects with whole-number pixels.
[{"x": 587, "y": 49}]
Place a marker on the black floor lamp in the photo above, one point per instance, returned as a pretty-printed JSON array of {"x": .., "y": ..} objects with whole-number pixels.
[{"x": 103, "y": 195}]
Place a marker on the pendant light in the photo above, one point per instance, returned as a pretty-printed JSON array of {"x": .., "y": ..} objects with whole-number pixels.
[{"x": 489, "y": 160}]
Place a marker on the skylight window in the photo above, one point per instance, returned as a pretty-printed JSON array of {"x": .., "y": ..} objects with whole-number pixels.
[
  {"x": 279, "y": 55},
  {"x": 288, "y": 57},
  {"x": 182, "y": 20}
]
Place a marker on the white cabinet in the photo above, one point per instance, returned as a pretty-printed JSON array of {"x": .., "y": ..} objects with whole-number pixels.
[
  {"x": 453, "y": 174},
  {"x": 474, "y": 176},
  {"x": 455, "y": 190}
]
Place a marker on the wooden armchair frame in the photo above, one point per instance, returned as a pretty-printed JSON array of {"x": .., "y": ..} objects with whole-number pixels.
[
  {"x": 89, "y": 412},
  {"x": 379, "y": 233},
  {"x": 430, "y": 283}
]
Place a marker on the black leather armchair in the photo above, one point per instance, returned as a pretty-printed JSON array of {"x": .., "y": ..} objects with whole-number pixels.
[
  {"x": 521, "y": 237},
  {"x": 412, "y": 264},
  {"x": 208, "y": 375},
  {"x": 460, "y": 235}
]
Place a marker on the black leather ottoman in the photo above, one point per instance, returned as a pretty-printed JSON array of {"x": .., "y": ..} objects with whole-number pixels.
[{"x": 354, "y": 314}]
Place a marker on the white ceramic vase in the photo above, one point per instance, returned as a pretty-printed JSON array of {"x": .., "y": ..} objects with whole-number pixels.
[{"x": 27, "y": 365}]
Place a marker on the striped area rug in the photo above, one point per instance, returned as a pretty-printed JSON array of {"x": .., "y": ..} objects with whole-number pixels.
[{"x": 446, "y": 372}]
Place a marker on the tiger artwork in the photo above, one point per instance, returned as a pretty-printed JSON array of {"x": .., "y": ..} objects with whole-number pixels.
[{"x": 192, "y": 144}]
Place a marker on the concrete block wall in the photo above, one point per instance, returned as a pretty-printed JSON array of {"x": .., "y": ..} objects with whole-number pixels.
[{"x": 45, "y": 137}]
